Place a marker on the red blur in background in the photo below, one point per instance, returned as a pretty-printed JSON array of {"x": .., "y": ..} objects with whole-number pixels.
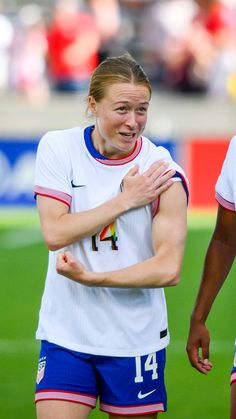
[{"x": 205, "y": 159}]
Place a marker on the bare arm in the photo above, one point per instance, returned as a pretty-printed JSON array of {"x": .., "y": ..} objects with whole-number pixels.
[
  {"x": 61, "y": 228},
  {"x": 219, "y": 258},
  {"x": 163, "y": 269}
]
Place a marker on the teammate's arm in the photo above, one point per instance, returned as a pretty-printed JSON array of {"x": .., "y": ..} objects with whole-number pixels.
[
  {"x": 61, "y": 228},
  {"x": 163, "y": 269},
  {"x": 219, "y": 258}
]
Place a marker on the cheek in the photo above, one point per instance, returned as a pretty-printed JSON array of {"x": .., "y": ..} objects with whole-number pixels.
[
  {"x": 142, "y": 120},
  {"x": 112, "y": 121}
]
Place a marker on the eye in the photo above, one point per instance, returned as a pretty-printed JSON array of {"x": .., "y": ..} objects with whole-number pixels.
[
  {"x": 121, "y": 109},
  {"x": 142, "y": 110}
]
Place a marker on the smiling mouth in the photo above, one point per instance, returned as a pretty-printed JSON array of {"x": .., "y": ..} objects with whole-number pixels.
[{"x": 128, "y": 135}]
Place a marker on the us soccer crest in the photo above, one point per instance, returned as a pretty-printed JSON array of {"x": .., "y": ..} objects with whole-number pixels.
[{"x": 41, "y": 369}]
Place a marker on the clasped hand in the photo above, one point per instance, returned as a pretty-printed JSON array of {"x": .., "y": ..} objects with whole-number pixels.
[{"x": 140, "y": 190}]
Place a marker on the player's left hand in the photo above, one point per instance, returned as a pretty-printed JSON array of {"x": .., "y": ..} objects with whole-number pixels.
[{"x": 68, "y": 266}]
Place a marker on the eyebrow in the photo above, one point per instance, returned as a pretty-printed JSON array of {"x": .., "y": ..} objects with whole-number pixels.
[{"x": 126, "y": 102}]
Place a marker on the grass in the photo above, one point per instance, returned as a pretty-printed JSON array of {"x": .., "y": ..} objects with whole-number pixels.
[{"x": 23, "y": 268}]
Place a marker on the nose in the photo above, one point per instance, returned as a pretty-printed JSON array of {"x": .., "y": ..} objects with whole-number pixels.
[{"x": 131, "y": 120}]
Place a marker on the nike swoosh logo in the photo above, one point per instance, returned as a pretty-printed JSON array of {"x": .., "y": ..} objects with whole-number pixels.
[
  {"x": 143, "y": 395},
  {"x": 76, "y": 186}
]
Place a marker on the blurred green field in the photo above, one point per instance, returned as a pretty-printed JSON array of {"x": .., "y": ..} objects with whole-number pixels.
[{"x": 23, "y": 266}]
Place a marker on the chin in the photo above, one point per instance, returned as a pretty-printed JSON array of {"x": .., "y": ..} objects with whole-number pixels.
[{"x": 127, "y": 146}]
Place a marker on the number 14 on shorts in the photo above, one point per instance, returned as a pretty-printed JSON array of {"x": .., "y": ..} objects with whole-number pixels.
[{"x": 149, "y": 365}]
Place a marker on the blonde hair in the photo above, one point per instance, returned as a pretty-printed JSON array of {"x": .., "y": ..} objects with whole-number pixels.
[{"x": 122, "y": 69}]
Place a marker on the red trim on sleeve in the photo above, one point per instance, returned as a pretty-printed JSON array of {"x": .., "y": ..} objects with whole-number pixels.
[
  {"x": 53, "y": 197},
  {"x": 224, "y": 203},
  {"x": 53, "y": 193}
]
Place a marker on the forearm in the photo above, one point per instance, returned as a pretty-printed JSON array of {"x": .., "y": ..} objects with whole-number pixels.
[
  {"x": 68, "y": 228},
  {"x": 219, "y": 259},
  {"x": 155, "y": 272}
]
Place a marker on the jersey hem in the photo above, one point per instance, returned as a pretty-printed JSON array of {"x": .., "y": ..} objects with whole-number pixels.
[{"x": 129, "y": 352}]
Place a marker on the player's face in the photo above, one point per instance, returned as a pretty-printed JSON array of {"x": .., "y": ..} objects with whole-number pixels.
[{"x": 121, "y": 117}]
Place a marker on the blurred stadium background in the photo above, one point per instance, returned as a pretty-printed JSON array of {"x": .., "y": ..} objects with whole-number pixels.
[{"x": 188, "y": 49}]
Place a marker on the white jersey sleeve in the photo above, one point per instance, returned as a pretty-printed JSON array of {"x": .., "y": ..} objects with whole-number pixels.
[
  {"x": 179, "y": 175},
  {"x": 53, "y": 167},
  {"x": 226, "y": 183},
  {"x": 159, "y": 153}
]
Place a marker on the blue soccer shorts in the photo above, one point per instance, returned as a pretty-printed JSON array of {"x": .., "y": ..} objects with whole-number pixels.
[
  {"x": 233, "y": 372},
  {"x": 124, "y": 385}
]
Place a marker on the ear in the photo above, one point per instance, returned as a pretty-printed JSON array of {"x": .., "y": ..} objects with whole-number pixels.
[{"x": 92, "y": 105}]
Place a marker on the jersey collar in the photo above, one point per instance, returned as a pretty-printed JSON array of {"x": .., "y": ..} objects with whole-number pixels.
[{"x": 105, "y": 160}]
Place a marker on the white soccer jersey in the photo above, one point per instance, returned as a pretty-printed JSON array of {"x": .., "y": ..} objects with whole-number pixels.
[
  {"x": 96, "y": 320},
  {"x": 226, "y": 183}
]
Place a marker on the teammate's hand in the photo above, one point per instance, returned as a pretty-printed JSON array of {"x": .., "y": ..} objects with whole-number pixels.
[
  {"x": 198, "y": 347},
  {"x": 139, "y": 190}
]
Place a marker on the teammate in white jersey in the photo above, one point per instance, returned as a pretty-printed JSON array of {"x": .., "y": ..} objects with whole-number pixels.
[
  {"x": 219, "y": 259},
  {"x": 98, "y": 188}
]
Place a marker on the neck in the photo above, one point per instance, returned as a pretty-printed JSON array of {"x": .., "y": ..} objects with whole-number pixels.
[{"x": 108, "y": 150}]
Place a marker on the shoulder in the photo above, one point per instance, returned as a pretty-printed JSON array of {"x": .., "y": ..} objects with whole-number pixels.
[
  {"x": 61, "y": 138},
  {"x": 230, "y": 155},
  {"x": 154, "y": 151},
  {"x": 160, "y": 153},
  {"x": 233, "y": 141},
  {"x": 157, "y": 153},
  {"x": 232, "y": 145},
  {"x": 225, "y": 185}
]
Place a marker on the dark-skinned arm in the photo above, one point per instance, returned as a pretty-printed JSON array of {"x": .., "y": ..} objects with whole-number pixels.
[{"x": 218, "y": 261}]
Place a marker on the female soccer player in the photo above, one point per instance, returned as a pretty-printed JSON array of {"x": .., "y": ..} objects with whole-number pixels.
[
  {"x": 219, "y": 259},
  {"x": 114, "y": 244}
]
